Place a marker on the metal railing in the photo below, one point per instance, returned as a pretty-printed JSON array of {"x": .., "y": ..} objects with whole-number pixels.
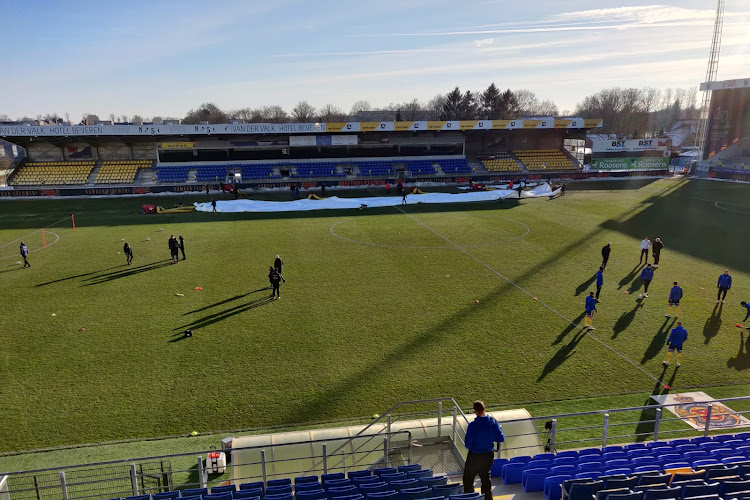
[{"x": 189, "y": 470}]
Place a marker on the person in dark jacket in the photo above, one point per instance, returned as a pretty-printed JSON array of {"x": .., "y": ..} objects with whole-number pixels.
[
  {"x": 606, "y": 250},
  {"x": 647, "y": 274},
  {"x": 182, "y": 247},
  {"x": 174, "y": 249},
  {"x": 24, "y": 253},
  {"x": 724, "y": 284},
  {"x": 481, "y": 436},
  {"x": 275, "y": 279},
  {"x": 128, "y": 251},
  {"x": 678, "y": 336},
  {"x": 520, "y": 189},
  {"x": 278, "y": 264},
  {"x": 675, "y": 294},
  {"x": 588, "y": 321},
  {"x": 599, "y": 282},
  {"x": 656, "y": 250},
  {"x": 213, "y": 205},
  {"x": 746, "y": 306}
]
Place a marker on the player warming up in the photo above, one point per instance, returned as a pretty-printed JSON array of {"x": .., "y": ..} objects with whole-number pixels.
[
  {"x": 590, "y": 308},
  {"x": 128, "y": 251},
  {"x": 675, "y": 294},
  {"x": 747, "y": 306},
  {"x": 647, "y": 274},
  {"x": 24, "y": 253},
  {"x": 645, "y": 246},
  {"x": 724, "y": 284},
  {"x": 275, "y": 279},
  {"x": 678, "y": 336},
  {"x": 599, "y": 282},
  {"x": 606, "y": 250}
]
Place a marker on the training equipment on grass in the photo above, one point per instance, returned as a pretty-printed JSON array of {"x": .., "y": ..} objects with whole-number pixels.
[
  {"x": 626, "y": 292},
  {"x": 198, "y": 288},
  {"x": 476, "y": 302},
  {"x": 533, "y": 298},
  {"x": 194, "y": 433},
  {"x": 18, "y": 262},
  {"x": 180, "y": 294},
  {"x": 161, "y": 229},
  {"x": 82, "y": 329},
  {"x": 640, "y": 295},
  {"x": 738, "y": 325},
  {"x": 53, "y": 314}
]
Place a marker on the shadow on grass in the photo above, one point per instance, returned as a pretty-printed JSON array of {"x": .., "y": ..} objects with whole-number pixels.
[
  {"x": 635, "y": 285},
  {"x": 645, "y": 428},
  {"x": 15, "y": 268},
  {"x": 569, "y": 328},
  {"x": 713, "y": 324},
  {"x": 742, "y": 360},
  {"x": 230, "y": 299},
  {"x": 584, "y": 286},
  {"x": 124, "y": 273},
  {"x": 225, "y": 314},
  {"x": 623, "y": 322},
  {"x": 562, "y": 355},
  {"x": 658, "y": 342},
  {"x": 78, "y": 276},
  {"x": 629, "y": 277}
]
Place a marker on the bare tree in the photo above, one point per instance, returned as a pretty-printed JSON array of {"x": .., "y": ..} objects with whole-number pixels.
[
  {"x": 331, "y": 113},
  {"x": 89, "y": 119},
  {"x": 206, "y": 112},
  {"x": 303, "y": 112},
  {"x": 434, "y": 107},
  {"x": 112, "y": 117},
  {"x": 273, "y": 114},
  {"x": 158, "y": 120},
  {"x": 137, "y": 119},
  {"x": 360, "y": 105}
]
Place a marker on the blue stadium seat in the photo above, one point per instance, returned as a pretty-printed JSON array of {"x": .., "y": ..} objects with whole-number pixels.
[
  {"x": 417, "y": 474},
  {"x": 662, "y": 493},
  {"x": 366, "y": 489},
  {"x": 398, "y": 476},
  {"x": 318, "y": 494},
  {"x": 278, "y": 489},
  {"x": 533, "y": 479},
  {"x": 379, "y": 471},
  {"x": 194, "y": 491},
  {"x": 497, "y": 467},
  {"x": 446, "y": 490},
  {"x": 218, "y": 496},
  {"x": 433, "y": 480},
  {"x": 307, "y": 487},
  {"x": 584, "y": 491},
  {"x": 336, "y": 483},
  {"x": 415, "y": 493},
  {"x": 553, "y": 486},
  {"x": 365, "y": 480},
  {"x": 280, "y": 496},
  {"x": 340, "y": 491},
  {"x": 700, "y": 490},
  {"x": 245, "y": 495},
  {"x": 467, "y": 496},
  {"x": 636, "y": 495},
  {"x": 224, "y": 489},
  {"x": 384, "y": 495},
  {"x": 359, "y": 473},
  {"x": 271, "y": 483},
  {"x": 166, "y": 495},
  {"x": 139, "y": 497},
  {"x": 405, "y": 483}
]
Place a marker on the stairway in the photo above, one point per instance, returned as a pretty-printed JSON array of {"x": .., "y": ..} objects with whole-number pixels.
[
  {"x": 436, "y": 454},
  {"x": 94, "y": 173},
  {"x": 191, "y": 176}
]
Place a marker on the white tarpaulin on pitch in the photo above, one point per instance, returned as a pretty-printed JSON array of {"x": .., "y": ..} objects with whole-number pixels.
[{"x": 336, "y": 203}]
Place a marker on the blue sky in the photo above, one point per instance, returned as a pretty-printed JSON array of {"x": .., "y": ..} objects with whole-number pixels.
[{"x": 164, "y": 57}]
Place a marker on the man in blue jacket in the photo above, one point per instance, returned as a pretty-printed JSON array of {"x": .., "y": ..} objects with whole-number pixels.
[
  {"x": 480, "y": 440},
  {"x": 676, "y": 339},
  {"x": 599, "y": 282},
  {"x": 590, "y": 308},
  {"x": 647, "y": 274},
  {"x": 675, "y": 294},
  {"x": 746, "y": 305},
  {"x": 724, "y": 284}
]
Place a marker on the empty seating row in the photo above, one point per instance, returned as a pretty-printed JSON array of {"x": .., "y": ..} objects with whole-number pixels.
[
  {"x": 544, "y": 159},
  {"x": 53, "y": 173},
  {"x": 120, "y": 171},
  {"x": 501, "y": 163}
]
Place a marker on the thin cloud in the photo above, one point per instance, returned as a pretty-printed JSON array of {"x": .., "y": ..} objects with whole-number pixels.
[{"x": 484, "y": 42}]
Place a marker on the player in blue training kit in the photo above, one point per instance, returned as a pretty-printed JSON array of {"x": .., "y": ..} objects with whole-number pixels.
[
  {"x": 724, "y": 284},
  {"x": 599, "y": 282},
  {"x": 590, "y": 308},
  {"x": 481, "y": 436},
  {"x": 647, "y": 274},
  {"x": 675, "y": 294},
  {"x": 746, "y": 305},
  {"x": 676, "y": 339}
]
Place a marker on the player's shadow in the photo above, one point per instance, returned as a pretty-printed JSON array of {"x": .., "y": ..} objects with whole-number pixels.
[
  {"x": 78, "y": 276},
  {"x": 562, "y": 355},
  {"x": 574, "y": 325},
  {"x": 124, "y": 273},
  {"x": 225, "y": 314},
  {"x": 225, "y": 301},
  {"x": 629, "y": 277},
  {"x": 623, "y": 322},
  {"x": 657, "y": 343},
  {"x": 635, "y": 285},
  {"x": 645, "y": 428},
  {"x": 585, "y": 285},
  {"x": 713, "y": 324},
  {"x": 15, "y": 268},
  {"x": 742, "y": 360}
]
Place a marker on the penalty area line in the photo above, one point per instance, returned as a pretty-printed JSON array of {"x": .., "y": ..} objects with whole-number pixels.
[{"x": 524, "y": 291}]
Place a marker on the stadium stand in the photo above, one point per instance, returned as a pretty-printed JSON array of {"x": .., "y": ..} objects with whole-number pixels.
[
  {"x": 317, "y": 169},
  {"x": 502, "y": 162},
  {"x": 680, "y": 469},
  {"x": 58, "y": 173},
  {"x": 259, "y": 172},
  {"x": 544, "y": 159},
  {"x": 172, "y": 173},
  {"x": 120, "y": 171},
  {"x": 739, "y": 164}
]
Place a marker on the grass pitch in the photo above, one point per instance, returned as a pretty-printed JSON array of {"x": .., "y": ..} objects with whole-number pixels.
[{"x": 379, "y": 307}]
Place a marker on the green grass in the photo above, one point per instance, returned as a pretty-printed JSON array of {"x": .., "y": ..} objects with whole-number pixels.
[{"x": 359, "y": 327}]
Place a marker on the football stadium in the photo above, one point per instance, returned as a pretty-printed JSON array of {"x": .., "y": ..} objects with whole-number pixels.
[{"x": 378, "y": 308}]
